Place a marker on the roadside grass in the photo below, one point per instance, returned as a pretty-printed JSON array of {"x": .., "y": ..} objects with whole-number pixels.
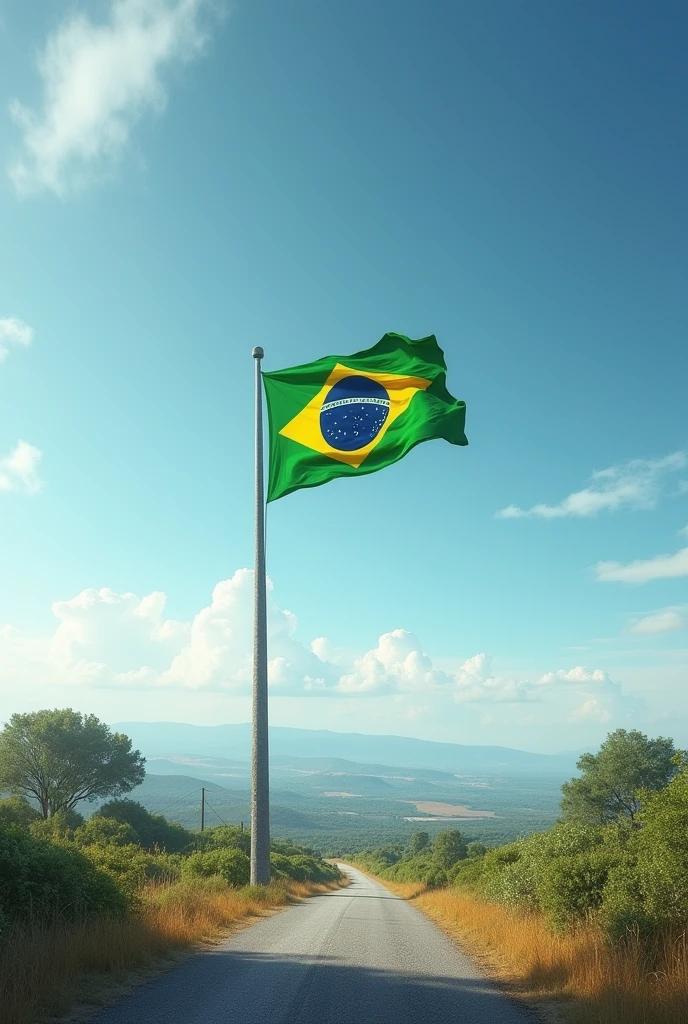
[
  {"x": 47, "y": 968},
  {"x": 576, "y": 975},
  {"x": 596, "y": 982},
  {"x": 407, "y": 890}
]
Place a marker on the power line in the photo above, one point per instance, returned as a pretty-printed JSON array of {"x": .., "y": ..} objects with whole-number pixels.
[
  {"x": 215, "y": 812},
  {"x": 176, "y": 801}
]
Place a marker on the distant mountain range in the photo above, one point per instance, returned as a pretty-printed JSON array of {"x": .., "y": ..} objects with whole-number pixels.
[
  {"x": 341, "y": 792},
  {"x": 232, "y": 743}
]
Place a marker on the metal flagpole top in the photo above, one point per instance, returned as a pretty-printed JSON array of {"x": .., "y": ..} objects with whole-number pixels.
[{"x": 257, "y": 352}]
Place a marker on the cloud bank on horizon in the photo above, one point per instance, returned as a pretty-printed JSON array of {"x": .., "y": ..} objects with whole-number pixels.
[
  {"x": 98, "y": 80},
  {"x": 121, "y": 641}
]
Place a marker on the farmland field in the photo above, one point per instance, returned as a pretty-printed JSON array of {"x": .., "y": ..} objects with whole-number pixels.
[{"x": 451, "y": 810}]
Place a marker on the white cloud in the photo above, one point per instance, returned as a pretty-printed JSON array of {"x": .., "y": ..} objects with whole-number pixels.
[
  {"x": 664, "y": 621},
  {"x": 603, "y": 700},
  {"x": 13, "y": 331},
  {"x": 98, "y": 80},
  {"x": 475, "y": 683},
  {"x": 661, "y": 567},
  {"x": 219, "y": 651},
  {"x": 19, "y": 469},
  {"x": 102, "y": 632},
  {"x": 636, "y": 484},
  {"x": 579, "y": 675},
  {"x": 119, "y": 644},
  {"x": 122, "y": 640},
  {"x": 397, "y": 663},
  {"x": 591, "y": 710}
]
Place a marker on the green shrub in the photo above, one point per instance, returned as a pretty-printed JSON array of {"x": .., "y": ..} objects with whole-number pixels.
[
  {"x": 58, "y": 828},
  {"x": 517, "y": 874},
  {"x": 282, "y": 867},
  {"x": 648, "y": 891},
  {"x": 302, "y": 868},
  {"x": 290, "y": 849},
  {"x": 231, "y": 865},
  {"x": 622, "y": 910},
  {"x": 572, "y": 888},
  {"x": 412, "y": 869},
  {"x": 99, "y": 831},
  {"x": 307, "y": 869},
  {"x": 226, "y": 837},
  {"x": 131, "y": 866},
  {"x": 436, "y": 878},
  {"x": 513, "y": 883},
  {"x": 476, "y": 850},
  {"x": 503, "y": 855},
  {"x": 41, "y": 880},
  {"x": 661, "y": 851},
  {"x": 467, "y": 872},
  {"x": 15, "y": 810}
]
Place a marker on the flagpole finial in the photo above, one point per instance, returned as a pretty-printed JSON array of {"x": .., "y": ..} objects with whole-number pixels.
[{"x": 257, "y": 352}]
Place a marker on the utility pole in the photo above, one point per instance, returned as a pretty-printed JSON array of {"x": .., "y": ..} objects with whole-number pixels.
[
  {"x": 202, "y": 808},
  {"x": 260, "y": 773}
]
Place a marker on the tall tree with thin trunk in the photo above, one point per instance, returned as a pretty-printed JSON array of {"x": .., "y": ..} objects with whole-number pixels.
[
  {"x": 61, "y": 757},
  {"x": 612, "y": 781}
]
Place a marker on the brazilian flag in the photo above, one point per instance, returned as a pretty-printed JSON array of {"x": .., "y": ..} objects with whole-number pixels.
[{"x": 348, "y": 415}]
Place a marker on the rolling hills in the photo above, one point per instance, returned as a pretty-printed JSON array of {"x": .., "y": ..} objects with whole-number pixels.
[{"x": 339, "y": 792}]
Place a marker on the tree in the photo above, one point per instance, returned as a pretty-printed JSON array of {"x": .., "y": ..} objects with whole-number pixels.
[
  {"x": 448, "y": 848},
  {"x": 418, "y": 842},
  {"x": 61, "y": 757},
  {"x": 611, "y": 782},
  {"x": 152, "y": 829}
]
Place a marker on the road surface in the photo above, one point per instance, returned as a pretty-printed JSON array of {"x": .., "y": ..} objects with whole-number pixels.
[{"x": 354, "y": 956}]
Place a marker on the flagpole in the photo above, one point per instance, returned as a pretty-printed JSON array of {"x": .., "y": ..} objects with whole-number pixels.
[{"x": 260, "y": 772}]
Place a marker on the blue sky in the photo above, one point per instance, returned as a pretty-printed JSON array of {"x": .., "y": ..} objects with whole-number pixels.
[{"x": 183, "y": 179}]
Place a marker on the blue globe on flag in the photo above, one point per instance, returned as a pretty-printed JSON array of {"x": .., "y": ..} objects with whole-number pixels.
[{"x": 353, "y": 413}]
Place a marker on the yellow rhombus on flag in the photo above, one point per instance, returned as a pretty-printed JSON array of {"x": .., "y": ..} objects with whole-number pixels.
[{"x": 344, "y": 416}]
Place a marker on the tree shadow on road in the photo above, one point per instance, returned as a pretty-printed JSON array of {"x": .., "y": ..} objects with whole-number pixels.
[{"x": 229, "y": 986}]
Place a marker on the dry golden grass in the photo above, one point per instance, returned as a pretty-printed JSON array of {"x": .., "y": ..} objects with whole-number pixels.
[
  {"x": 44, "y": 969},
  {"x": 407, "y": 890},
  {"x": 586, "y": 979}
]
